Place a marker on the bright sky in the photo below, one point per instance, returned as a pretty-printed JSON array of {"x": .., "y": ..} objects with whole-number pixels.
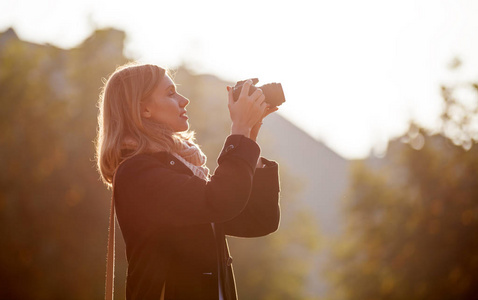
[{"x": 354, "y": 72}]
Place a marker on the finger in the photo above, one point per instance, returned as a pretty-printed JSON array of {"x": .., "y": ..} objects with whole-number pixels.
[
  {"x": 230, "y": 95},
  {"x": 270, "y": 110},
  {"x": 245, "y": 89},
  {"x": 257, "y": 94},
  {"x": 263, "y": 104},
  {"x": 262, "y": 100},
  {"x": 266, "y": 112}
]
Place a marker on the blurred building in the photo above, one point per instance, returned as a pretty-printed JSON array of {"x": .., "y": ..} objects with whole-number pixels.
[
  {"x": 324, "y": 180},
  {"x": 322, "y": 172}
]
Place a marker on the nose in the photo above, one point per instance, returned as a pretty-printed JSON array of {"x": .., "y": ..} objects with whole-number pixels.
[{"x": 183, "y": 101}]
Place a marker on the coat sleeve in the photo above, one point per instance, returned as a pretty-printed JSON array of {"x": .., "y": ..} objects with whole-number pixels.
[
  {"x": 262, "y": 213},
  {"x": 149, "y": 194}
]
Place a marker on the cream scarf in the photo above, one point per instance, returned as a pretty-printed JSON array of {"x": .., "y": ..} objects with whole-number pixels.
[
  {"x": 188, "y": 153},
  {"x": 192, "y": 156}
]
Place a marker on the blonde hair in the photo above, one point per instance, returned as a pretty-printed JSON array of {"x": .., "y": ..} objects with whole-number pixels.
[{"x": 121, "y": 127}]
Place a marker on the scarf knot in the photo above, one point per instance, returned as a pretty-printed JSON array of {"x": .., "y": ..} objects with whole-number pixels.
[{"x": 192, "y": 156}]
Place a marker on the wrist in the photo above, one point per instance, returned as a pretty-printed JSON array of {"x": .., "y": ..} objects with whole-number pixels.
[
  {"x": 255, "y": 131},
  {"x": 242, "y": 130}
]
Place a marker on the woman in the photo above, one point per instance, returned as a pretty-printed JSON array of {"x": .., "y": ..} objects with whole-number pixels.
[{"x": 173, "y": 214}]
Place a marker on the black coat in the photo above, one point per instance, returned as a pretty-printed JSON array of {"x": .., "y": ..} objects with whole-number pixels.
[{"x": 165, "y": 214}]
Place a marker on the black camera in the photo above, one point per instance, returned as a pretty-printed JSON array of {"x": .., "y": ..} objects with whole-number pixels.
[{"x": 272, "y": 91}]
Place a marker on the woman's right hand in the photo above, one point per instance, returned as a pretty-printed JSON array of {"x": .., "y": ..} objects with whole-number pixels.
[{"x": 247, "y": 110}]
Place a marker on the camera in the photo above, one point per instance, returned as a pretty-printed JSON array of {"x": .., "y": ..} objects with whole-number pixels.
[{"x": 272, "y": 91}]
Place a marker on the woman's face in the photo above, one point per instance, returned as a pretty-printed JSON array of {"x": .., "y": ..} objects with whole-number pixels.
[{"x": 166, "y": 106}]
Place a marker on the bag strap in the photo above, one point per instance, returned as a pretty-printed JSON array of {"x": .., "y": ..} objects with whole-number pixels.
[{"x": 110, "y": 258}]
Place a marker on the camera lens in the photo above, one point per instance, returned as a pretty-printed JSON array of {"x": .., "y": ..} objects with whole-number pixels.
[{"x": 272, "y": 91}]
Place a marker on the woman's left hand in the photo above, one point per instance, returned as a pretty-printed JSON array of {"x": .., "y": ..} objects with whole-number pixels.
[{"x": 257, "y": 126}]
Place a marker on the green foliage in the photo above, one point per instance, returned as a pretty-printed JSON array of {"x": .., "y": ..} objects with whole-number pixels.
[
  {"x": 413, "y": 218},
  {"x": 53, "y": 213}
]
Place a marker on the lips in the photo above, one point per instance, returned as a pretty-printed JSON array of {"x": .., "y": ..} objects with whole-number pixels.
[{"x": 183, "y": 115}]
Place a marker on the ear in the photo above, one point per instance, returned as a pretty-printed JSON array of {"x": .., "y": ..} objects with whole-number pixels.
[{"x": 145, "y": 112}]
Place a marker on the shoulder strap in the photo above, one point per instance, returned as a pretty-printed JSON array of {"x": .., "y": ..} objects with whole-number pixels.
[{"x": 110, "y": 258}]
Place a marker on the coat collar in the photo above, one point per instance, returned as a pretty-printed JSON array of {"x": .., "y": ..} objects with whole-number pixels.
[{"x": 171, "y": 162}]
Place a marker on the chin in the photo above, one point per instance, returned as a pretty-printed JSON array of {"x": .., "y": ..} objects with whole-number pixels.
[{"x": 182, "y": 128}]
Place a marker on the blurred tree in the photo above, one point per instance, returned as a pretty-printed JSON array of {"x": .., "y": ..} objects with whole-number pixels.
[
  {"x": 52, "y": 204},
  {"x": 413, "y": 217}
]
